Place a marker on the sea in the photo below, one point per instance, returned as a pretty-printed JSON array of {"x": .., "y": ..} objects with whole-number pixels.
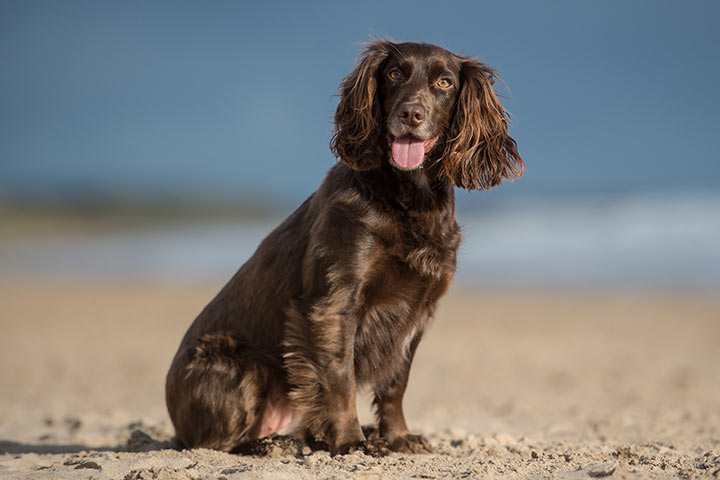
[{"x": 646, "y": 240}]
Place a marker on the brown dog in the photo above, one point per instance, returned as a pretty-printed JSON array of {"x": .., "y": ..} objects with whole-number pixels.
[{"x": 339, "y": 295}]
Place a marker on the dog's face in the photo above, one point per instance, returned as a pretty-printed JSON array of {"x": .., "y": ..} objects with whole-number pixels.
[
  {"x": 417, "y": 86},
  {"x": 409, "y": 103}
]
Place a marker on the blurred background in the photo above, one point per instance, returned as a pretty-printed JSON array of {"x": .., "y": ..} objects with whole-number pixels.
[{"x": 164, "y": 140}]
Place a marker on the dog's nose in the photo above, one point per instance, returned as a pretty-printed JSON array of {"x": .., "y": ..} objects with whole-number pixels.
[{"x": 412, "y": 114}]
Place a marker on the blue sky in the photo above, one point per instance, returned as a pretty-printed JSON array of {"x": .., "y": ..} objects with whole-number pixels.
[{"x": 231, "y": 99}]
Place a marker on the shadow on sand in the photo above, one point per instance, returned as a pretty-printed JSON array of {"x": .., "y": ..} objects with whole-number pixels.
[{"x": 139, "y": 441}]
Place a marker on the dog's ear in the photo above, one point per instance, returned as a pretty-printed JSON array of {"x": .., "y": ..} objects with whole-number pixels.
[
  {"x": 479, "y": 151},
  {"x": 358, "y": 137}
]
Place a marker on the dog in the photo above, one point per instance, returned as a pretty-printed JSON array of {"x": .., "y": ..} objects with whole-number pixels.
[{"x": 339, "y": 295}]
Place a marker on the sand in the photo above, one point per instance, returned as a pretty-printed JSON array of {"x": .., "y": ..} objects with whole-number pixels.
[{"x": 507, "y": 384}]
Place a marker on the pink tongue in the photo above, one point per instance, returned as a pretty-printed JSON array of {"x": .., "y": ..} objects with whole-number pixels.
[{"x": 408, "y": 152}]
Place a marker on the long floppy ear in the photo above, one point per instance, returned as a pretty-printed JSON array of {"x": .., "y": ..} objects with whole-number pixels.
[
  {"x": 358, "y": 138},
  {"x": 479, "y": 152}
]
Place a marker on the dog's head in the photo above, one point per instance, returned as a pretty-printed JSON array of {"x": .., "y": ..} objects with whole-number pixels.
[{"x": 415, "y": 104}]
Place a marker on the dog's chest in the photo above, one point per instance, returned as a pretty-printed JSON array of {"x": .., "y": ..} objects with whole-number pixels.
[
  {"x": 427, "y": 246},
  {"x": 397, "y": 302},
  {"x": 382, "y": 343},
  {"x": 394, "y": 313}
]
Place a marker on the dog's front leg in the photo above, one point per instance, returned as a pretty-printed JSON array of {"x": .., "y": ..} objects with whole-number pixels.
[
  {"x": 320, "y": 361},
  {"x": 389, "y": 409},
  {"x": 344, "y": 434}
]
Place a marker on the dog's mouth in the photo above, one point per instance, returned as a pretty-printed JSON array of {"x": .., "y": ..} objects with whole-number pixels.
[{"x": 408, "y": 151}]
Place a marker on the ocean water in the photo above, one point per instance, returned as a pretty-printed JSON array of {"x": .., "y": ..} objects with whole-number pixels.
[
  {"x": 651, "y": 240},
  {"x": 644, "y": 240}
]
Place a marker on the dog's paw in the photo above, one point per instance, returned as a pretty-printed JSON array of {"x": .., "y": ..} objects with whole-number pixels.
[
  {"x": 375, "y": 448},
  {"x": 410, "y": 443}
]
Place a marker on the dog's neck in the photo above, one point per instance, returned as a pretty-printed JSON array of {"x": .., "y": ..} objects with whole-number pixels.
[{"x": 415, "y": 190}]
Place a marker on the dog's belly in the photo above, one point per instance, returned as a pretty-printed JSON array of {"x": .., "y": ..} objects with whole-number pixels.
[{"x": 278, "y": 415}]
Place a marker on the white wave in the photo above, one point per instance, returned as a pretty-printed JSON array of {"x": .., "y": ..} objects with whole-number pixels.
[{"x": 653, "y": 239}]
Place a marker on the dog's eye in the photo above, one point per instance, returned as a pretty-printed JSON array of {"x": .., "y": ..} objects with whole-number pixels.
[
  {"x": 394, "y": 74},
  {"x": 444, "y": 83}
]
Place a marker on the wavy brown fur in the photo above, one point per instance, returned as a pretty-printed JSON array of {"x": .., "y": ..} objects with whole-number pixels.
[
  {"x": 479, "y": 151},
  {"x": 358, "y": 137}
]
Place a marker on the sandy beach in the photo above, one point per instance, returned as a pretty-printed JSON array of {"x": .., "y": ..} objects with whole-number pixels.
[{"x": 507, "y": 384}]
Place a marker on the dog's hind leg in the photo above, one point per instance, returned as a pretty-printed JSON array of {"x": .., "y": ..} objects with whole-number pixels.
[{"x": 220, "y": 394}]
